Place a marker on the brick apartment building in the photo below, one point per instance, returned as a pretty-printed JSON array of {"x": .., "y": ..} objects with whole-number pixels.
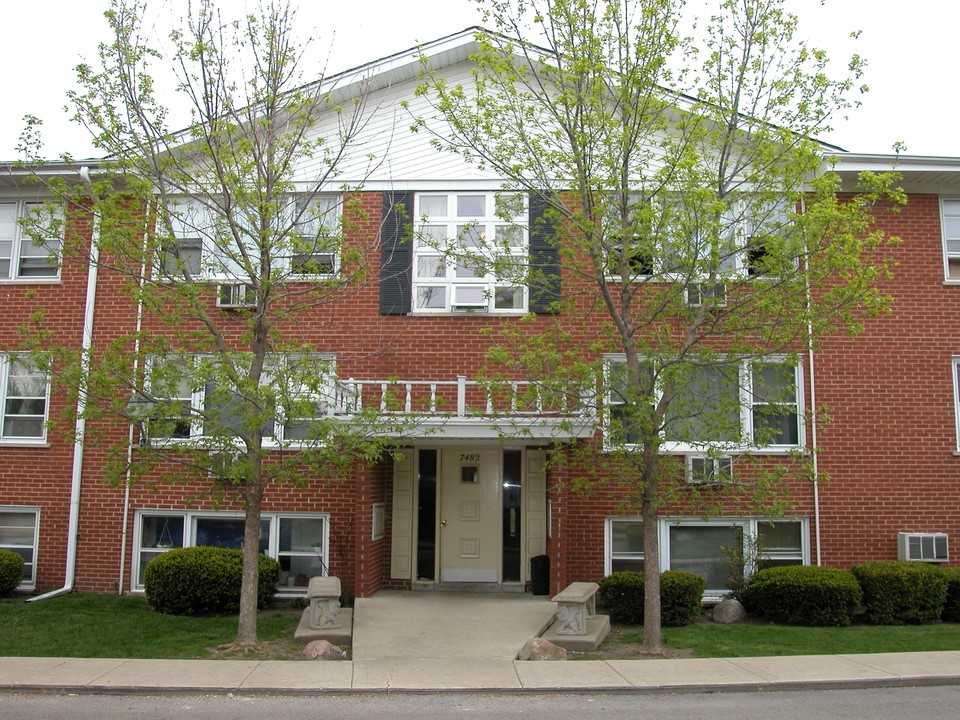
[{"x": 463, "y": 503}]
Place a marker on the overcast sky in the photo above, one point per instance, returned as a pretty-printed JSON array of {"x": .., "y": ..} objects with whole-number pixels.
[{"x": 911, "y": 47}]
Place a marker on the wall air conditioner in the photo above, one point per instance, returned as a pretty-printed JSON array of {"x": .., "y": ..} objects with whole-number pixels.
[
  {"x": 709, "y": 471},
  {"x": 707, "y": 294},
  {"x": 236, "y": 296},
  {"x": 922, "y": 547},
  {"x": 469, "y": 298}
]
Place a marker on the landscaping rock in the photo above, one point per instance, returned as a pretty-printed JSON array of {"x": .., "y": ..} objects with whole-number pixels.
[
  {"x": 322, "y": 650},
  {"x": 728, "y": 612},
  {"x": 540, "y": 649}
]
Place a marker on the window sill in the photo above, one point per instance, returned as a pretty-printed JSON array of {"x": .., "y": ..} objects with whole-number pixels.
[
  {"x": 24, "y": 444},
  {"x": 469, "y": 313},
  {"x": 951, "y": 281},
  {"x": 681, "y": 451},
  {"x": 31, "y": 281}
]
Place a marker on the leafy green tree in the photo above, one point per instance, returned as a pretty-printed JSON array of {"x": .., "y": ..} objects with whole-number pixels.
[
  {"x": 224, "y": 234},
  {"x": 692, "y": 208}
]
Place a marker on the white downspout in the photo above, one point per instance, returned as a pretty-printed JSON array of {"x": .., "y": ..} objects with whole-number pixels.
[
  {"x": 813, "y": 420},
  {"x": 124, "y": 536},
  {"x": 73, "y": 531}
]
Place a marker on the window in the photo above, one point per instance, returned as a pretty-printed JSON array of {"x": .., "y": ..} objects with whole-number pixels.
[
  {"x": 688, "y": 240},
  {"x": 30, "y": 241},
  {"x": 26, "y": 389},
  {"x": 470, "y": 253},
  {"x": 318, "y": 228},
  {"x": 624, "y": 540},
  {"x": 714, "y": 406},
  {"x": 716, "y": 549},
  {"x": 298, "y": 541},
  {"x": 956, "y": 396},
  {"x": 294, "y": 390},
  {"x": 950, "y": 217},
  {"x": 19, "y": 529},
  {"x": 203, "y": 247}
]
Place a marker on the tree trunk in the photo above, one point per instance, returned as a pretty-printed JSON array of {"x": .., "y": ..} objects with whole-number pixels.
[
  {"x": 247, "y": 622},
  {"x": 652, "y": 628}
]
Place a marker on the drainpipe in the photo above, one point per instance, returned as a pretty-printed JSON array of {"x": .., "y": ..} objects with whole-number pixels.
[
  {"x": 124, "y": 534},
  {"x": 813, "y": 418},
  {"x": 81, "y": 424}
]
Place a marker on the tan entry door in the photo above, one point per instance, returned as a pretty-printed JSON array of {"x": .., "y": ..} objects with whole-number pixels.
[{"x": 470, "y": 541}]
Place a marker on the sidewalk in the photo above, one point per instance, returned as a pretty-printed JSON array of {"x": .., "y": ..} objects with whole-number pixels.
[{"x": 462, "y": 675}]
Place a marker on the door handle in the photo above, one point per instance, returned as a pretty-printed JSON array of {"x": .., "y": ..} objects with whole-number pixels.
[{"x": 443, "y": 523}]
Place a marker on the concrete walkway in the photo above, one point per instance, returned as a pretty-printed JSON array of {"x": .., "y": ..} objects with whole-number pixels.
[{"x": 435, "y": 642}]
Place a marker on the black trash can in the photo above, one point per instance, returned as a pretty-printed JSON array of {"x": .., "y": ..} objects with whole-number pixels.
[{"x": 540, "y": 575}]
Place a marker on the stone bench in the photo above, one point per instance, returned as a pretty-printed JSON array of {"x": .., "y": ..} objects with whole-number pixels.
[
  {"x": 324, "y": 596},
  {"x": 575, "y": 604}
]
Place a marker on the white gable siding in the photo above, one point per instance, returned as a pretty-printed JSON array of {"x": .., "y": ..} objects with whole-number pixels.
[{"x": 387, "y": 154}]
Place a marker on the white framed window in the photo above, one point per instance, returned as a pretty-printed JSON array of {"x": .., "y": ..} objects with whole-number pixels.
[
  {"x": 26, "y": 394},
  {"x": 19, "y": 533},
  {"x": 745, "y": 406},
  {"x": 23, "y": 256},
  {"x": 317, "y": 220},
  {"x": 623, "y": 541},
  {"x": 188, "y": 407},
  {"x": 203, "y": 247},
  {"x": 741, "y": 242},
  {"x": 950, "y": 224},
  {"x": 955, "y": 366},
  {"x": 470, "y": 252},
  {"x": 379, "y": 521},
  {"x": 298, "y": 541},
  {"x": 712, "y": 548}
]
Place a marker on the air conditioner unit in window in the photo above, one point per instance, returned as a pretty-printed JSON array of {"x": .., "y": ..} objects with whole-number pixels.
[
  {"x": 707, "y": 293},
  {"x": 236, "y": 296},
  {"x": 709, "y": 471},
  {"x": 469, "y": 298},
  {"x": 922, "y": 547}
]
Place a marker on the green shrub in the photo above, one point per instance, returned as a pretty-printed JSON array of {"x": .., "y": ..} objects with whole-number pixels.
[
  {"x": 951, "y": 608},
  {"x": 803, "y": 595},
  {"x": 11, "y": 571},
  {"x": 899, "y": 592},
  {"x": 204, "y": 580},
  {"x": 680, "y": 598},
  {"x": 621, "y": 597}
]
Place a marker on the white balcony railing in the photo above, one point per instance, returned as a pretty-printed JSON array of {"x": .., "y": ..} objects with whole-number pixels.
[{"x": 468, "y": 402}]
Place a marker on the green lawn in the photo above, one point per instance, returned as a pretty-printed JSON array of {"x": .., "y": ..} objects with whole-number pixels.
[
  {"x": 752, "y": 639},
  {"x": 91, "y": 625}
]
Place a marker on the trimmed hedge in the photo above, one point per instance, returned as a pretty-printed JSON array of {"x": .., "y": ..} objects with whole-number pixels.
[
  {"x": 621, "y": 596},
  {"x": 803, "y": 595},
  {"x": 951, "y": 608},
  {"x": 204, "y": 580},
  {"x": 899, "y": 592},
  {"x": 11, "y": 571}
]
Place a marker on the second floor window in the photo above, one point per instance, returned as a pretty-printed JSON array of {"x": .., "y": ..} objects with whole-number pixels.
[
  {"x": 304, "y": 243},
  {"x": 30, "y": 241},
  {"x": 950, "y": 219},
  {"x": 470, "y": 253},
  {"x": 26, "y": 390}
]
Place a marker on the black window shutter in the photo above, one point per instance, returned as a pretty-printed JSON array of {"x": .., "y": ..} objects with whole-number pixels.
[
  {"x": 396, "y": 253},
  {"x": 544, "y": 257}
]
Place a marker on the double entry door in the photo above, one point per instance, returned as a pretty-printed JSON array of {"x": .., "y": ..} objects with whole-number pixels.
[{"x": 469, "y": 519}]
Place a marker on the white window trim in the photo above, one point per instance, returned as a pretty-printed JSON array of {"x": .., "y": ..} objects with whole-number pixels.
[
  {"x": 955, "y": 373},
  {"x": 18, "y": 240},
  {"x": 740, "y": 266},
  {"x": 449, "y": 281},
  {"x": 208, "y": 250},
  {"x": 947, "y": 255},
  {"x": 31, "y": 583},
  {"x": 746, "y": 413},
  {"x": 189, "y": 531},
  {"x": 748, "y": 524},
  {"x": 276, "y": 440},
  {"x": 41, "y": 440}
]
